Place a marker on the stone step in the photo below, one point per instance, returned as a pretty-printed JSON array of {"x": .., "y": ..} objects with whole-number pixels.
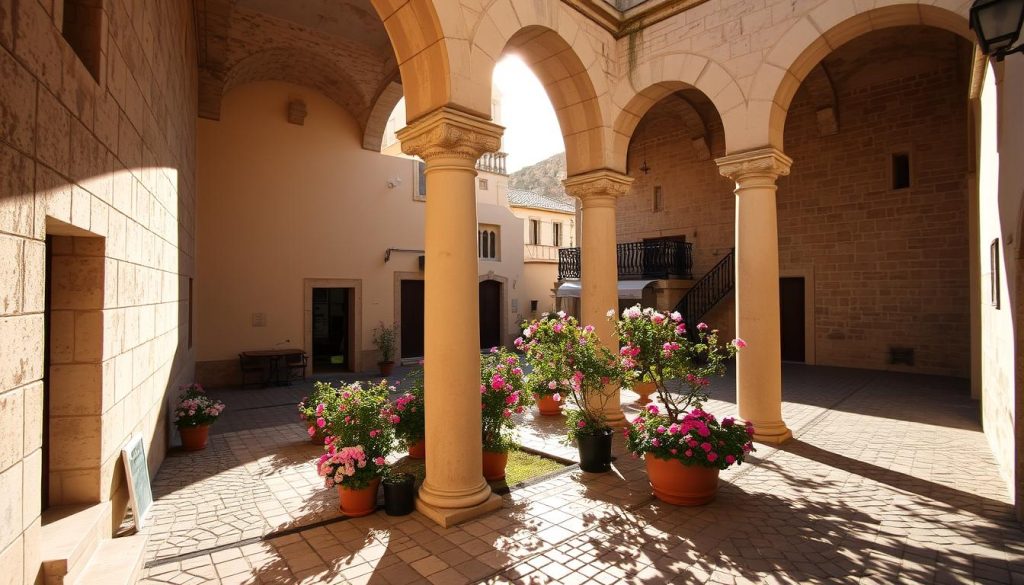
[
  {"x": 70, "y": 536},
  {"x": 117, "y": 561}
]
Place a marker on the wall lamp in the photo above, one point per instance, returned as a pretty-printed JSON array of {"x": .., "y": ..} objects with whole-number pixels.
[{"x": 997, "y": 24}]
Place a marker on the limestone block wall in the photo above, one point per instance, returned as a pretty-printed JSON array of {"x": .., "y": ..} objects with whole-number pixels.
[{"x": 101, "y": 156}]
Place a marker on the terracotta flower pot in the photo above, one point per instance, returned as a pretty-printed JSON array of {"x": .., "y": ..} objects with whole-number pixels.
[
  {"x": 679, "y": 484},
  {"x": 386, "y": 368},
  {"x": 418, "y": 450},
  {"x": 359, "y": 502},
  {"x": 548, "y": 406},
  {"x": 194, "y": 438},
  {"x": 494, "y": 465},
  {"x": 644, "y": 390}
]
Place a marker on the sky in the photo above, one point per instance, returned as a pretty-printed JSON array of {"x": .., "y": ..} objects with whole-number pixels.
[{"x": 531, "y": 128}]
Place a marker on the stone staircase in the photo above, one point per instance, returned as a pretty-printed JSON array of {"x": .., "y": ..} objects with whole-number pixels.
[{"x": 76, "y": 551}]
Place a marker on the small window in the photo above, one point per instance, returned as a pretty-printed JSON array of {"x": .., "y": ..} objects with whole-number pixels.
[
  {"x": 656, "y": 204},
  {"x": 483, "y": 184},
  {"x": 190, "y": 312},
  {"x": 535, "y": 232},
  {"x": 419, "y": 192},
  {"x": 556, "y": 233},
  {"x": 487, "y": 242},
  {"x": 900, "y": 171},
  {"x": 82, "y": 28}
]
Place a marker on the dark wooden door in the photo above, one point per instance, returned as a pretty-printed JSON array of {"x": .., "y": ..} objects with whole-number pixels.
[
  {"x": 331, "y": 329},
  {"x": 412, "y": 318},
  {"x": 490, "y": 314},
  {"x": 791, "y": 314}
]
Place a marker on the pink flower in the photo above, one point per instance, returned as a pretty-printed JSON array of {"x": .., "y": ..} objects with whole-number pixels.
[
  {"x": 653, "y": 408},
  {"x": 712, "y": 456},
  {"x": 688, "y": 452},
  {"x": 506, "y": 413},
  {"x": 657, "y": 318},
  {"x": 379, "y": 460},
  {"x": 556, "y": 397},
  {"x": 705, "y": 446},
  {"x": 320, "y": 409},
  {"x": 552, "y": 385},
  {"x": 660, "y": 430},
  {"x": 656, "y": 442},
  {"x": 395, "y": 419},
  {"x": 374, "y": 433},
  {"x": 581, "y": 424},
  {"x": 311, "y": 431},
  {"x": 730, "y": 459},
  {"x": 588, "y": 329},
  {"x": 728, "y": 421},
  {"x": 321, "y": 423},
  {"x": 702, "y": 326},
  {"x": 739, "y": 343}
]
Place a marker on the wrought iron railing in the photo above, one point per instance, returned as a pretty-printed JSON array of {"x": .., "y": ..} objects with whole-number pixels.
[
  {"x": 707, "y": 291},
  {"x": 638, "y": 260}
]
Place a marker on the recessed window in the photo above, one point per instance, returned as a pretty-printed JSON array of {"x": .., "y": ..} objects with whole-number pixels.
[
  {"x": 535, "y": 232},
  {"x": 556, "y": 233},
  {"x": 419, "y": 192},
  {"x": 993, "y": 258},
  {"x": 190, "y": 304},
  {"x": 900, "y": 170},
  {"x": 488, "y": 245},
  {"x": 483, "y": 184},
  {"x": 82, "y": 28},
  {"x": 656, "y": 203}
]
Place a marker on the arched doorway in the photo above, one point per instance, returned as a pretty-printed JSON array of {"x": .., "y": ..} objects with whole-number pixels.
[{"x": 490, "y": 314}]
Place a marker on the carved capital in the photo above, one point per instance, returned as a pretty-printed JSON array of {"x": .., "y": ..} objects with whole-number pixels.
[
  {"x": 761, "y": 164},
  {"x": 602, "y": 184},
  {"x": 450, "y": 133}
]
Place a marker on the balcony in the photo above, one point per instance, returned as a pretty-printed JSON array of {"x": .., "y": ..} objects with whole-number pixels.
[
  {"x": 538, "y": 253},
  {"x": 657, "y": 259},
  {"x": 492, "y": 162}
]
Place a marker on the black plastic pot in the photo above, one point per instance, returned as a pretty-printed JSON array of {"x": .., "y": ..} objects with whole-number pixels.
[
  {"x": 399, "y": 494},
  {"x": 595, "y": 451}
]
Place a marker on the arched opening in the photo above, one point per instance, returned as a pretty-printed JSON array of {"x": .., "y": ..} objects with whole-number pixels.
[{"x": 873, "y": 215}]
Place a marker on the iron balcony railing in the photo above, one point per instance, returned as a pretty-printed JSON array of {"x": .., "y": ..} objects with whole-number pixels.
[{"x": 638, "y": 260}]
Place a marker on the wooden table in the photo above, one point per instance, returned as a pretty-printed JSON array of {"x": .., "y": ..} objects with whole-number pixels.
[{"x": 273, "y": 359}]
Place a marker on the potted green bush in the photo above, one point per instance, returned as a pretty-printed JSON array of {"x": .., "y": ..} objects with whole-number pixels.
[
  {"x": 193, "y": 416},
  {"x": 384, "y": 338},
  {"x": 312, "y": 408},
  {"x": 503, "y": 393}
]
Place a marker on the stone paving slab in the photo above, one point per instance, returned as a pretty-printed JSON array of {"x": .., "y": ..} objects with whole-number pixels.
[{"x": 889, "y": 479}]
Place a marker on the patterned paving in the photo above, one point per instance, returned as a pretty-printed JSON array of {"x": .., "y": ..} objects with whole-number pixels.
[{"x": 888, "y": 479}]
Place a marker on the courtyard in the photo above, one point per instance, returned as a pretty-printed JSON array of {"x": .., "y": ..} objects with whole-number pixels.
[{"x": 888, "y": 479}]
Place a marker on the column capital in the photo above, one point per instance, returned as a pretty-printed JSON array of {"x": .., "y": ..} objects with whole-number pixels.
[
  {"x": 598, "y": 187},
  {"x": 763, "y": 163},
  {"x": 449, "y": 133}
]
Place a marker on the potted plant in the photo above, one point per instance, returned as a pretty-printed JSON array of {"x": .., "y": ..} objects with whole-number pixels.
[
  {"x": 410, "y": 430},
  {"x": 399, "y": 493},
  {"x": 193, "y": 416},
  {"x": 384, "y": 339},
  {"x": 561, "y": 351},
  {"x": 361, "y": 435},
  {"x": 683, "y": 446},
  {"x": 546, "y": 394},
  {"x": 503, "y": 393},
  {"x": 312, "y": 408}
]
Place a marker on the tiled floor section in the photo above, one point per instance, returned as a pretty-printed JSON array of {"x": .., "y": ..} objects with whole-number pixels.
[{"x": 889, "y": 479}]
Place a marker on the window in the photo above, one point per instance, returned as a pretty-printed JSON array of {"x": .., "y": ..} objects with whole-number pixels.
[
  {"x": 419, "y": 192},
  {"x": 190, "y": 312},
  {"x": 656, "y": 204},
  {"x": 483, "y": 184},
  {"x": 535, "y": 232},
  {"x": 488, "y": 246},
  {"x": 556, "y": 233},
  {"x": 993, "y": 258},
  {"x": 900, "y": 170},
  {"x": 82, "y": 28}
]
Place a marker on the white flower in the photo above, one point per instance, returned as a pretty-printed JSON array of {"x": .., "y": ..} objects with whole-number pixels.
[{"x": 610, "y": 313}]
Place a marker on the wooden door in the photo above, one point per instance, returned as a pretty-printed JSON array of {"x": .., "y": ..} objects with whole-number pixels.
[
  {"x": 490, "y": 314},
  {"x": 412, "y": 319},
  {"x": 791, "y": 314}
]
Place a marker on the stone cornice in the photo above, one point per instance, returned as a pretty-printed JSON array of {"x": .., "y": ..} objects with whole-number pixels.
[
  {"x": 449, "y": 133},
  {"x": 763, "y": 162},
  {"x": 598, "y": 184}
]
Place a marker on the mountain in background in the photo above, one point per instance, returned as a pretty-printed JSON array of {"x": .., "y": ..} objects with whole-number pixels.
[{"x": 544, "y": 178}]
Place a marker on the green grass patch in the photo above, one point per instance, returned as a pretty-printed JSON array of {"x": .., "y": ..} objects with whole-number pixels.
[{"x": 522, "y": 466}]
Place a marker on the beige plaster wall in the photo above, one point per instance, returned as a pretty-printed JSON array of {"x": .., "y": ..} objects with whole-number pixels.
[
  {"x": 281, "y": 203},
  {"x": 108, "y": 160},
  {"x": 1001, "y": 183}
]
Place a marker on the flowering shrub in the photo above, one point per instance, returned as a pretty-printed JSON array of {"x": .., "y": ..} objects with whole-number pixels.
[
  {"x": 655, "y": 348},
  {"x": 502, "y": 392},
  {"x": 409, "y": 408},
  {"x": 575, "y": 366},
  {"x": 361, "y": 434},
  {"x": 195, "y": 408},
  {"x": 698, "y": 439},
  {"x": 313, "y": 407}
]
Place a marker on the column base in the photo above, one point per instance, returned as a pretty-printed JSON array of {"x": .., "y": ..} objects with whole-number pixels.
[
  {"x": 616, "y": 419},
  {"x": 773, "y": 433},
  {"x": 447, "y": 517}
]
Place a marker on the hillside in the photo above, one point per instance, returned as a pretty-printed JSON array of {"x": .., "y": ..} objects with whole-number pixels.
[{"x": 544, "y": 178}]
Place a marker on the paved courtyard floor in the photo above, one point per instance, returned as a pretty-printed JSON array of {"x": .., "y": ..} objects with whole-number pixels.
[{"x": 888, "y": 479}]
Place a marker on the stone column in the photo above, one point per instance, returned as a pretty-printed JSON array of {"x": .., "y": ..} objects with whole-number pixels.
[
  {"x": 450, "y": 142},
  {"x": 598, "y": 192},
  {"x": 759, "y": 365}
]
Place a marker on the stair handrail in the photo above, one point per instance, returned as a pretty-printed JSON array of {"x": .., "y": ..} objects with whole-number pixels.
[{"x": 706, "y": 292}]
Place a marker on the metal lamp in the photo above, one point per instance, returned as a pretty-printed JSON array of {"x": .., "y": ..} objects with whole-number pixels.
[{"x": 997, "y": 24}]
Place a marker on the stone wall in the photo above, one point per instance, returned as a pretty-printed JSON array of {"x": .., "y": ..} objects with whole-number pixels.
[{"x": 102, "y": 157}]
